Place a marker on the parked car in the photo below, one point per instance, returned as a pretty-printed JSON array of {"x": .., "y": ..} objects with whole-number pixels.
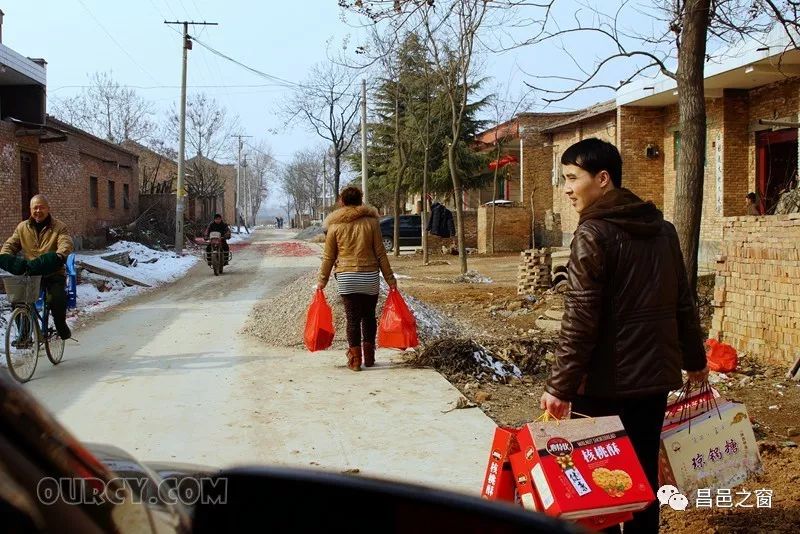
[
  {"x": 39, "y": 457},
  {"x": 410, "y": 231}
]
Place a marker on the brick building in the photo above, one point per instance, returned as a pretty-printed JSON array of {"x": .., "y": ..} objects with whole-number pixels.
[
  {"x": 753, "y": 109},
  {"x": 91, "y": 184},
  {"x": 753, "y": 117}
]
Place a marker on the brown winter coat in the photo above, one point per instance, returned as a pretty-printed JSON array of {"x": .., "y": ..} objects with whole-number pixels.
[
  {"x": 53, "y": 238},
  {"x": 353, "y": 243},
  {"x": 630, "y": 322}
]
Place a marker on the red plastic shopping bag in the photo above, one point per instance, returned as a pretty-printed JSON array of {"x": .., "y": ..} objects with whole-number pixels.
[
  {"x": 398, "y": 328},
  {"x": 319, "y": 323},
  {"x": 721, "y": 357}
]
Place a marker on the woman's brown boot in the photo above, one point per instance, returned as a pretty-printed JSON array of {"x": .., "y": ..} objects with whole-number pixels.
[
  {"x": 369, "y": 354},
  {"x": 354, "y": 358}
]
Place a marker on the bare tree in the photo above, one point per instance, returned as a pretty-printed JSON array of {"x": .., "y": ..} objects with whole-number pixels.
[
  {"x": 261, "y": 168},
  {"x": 108, "y": 110},
  {"x": 328, "y": 104},
  {"x": 301, "y": 181},
  {"x": 688, "y": 33},
  {"x": 452, "y": 34},
  {"x": 208, "y": 137}
]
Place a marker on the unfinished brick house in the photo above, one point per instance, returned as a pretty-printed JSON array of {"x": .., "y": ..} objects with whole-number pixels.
[{"x": 92, "y": 184}]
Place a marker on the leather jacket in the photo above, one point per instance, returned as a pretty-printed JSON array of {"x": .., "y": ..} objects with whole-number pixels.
[{"x": 630, "y": 322}]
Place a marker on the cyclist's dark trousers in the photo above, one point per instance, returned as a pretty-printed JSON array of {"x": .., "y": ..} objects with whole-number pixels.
[{"x": 57, "y": 302}]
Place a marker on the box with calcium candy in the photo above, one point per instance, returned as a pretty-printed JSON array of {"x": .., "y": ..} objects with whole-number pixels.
[{"x": 584, "y": 468}]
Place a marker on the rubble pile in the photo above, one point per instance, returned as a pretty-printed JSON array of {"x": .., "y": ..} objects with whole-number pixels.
[
  {"x": 532, "y": 354},
  {"x": 464, "y": 358},
  {"x": 312, "y": 233},
  {"x": 472, "y": 277}
]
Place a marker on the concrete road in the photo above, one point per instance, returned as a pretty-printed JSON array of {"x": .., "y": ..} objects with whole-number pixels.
[{"x": 166, "y": 377}]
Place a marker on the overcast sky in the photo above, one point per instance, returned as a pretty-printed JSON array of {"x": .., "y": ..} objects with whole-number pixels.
[{"x": 282, "y": 38}]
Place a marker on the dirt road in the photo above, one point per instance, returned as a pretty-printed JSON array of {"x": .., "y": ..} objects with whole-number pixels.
[{"x": 166, "y": 377}]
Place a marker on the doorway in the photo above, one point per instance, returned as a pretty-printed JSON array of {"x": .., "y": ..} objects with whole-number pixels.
[
  {"x": 29, "y": 182},
  {"x": 776, "y": 166}
]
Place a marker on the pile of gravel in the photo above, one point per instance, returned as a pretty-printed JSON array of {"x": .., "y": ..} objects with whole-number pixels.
[
  {"x": 309, "y": 233},
  {"x": 280, "y": 320}
]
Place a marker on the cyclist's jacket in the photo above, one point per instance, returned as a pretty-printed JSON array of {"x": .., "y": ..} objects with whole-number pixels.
[{"x": 32, "y": 242}]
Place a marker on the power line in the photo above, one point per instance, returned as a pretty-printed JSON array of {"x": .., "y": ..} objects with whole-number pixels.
[
  {"x": 100, "y": 24},
  {"x": 148, "y": 87},
  {"x": 247, "y": 67}
]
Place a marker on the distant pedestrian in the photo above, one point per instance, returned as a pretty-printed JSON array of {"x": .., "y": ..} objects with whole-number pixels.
[
  {"x": 354, "y": 246},
  {"x": 751, "y": 201}
]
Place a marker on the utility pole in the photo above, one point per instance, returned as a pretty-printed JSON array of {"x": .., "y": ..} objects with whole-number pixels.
[
  {"x": 236, "y": 196},
  {"x": 324, "y": 179},
  {"x": 363, "y": 139},
  {"x": 179, "y": 190}
]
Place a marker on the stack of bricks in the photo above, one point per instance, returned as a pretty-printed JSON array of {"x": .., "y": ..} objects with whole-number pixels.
[
  {"x": 535, "y": 271},
  {"x": 757, "y": 288}
]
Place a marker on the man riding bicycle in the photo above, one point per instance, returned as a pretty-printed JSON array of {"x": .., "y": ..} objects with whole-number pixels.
[
  {"x": 218, "y": 225},
  {"x": 45, "y": 244}
]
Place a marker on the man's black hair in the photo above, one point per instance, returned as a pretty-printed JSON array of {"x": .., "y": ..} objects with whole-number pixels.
[
  {"x": 594, "y": 155},
  {"x": 752, "y": 197},
  {"x": 217, "y": 216}
]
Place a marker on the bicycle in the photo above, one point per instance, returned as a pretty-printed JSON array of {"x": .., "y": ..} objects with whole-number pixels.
[{"x": 28, "y": 329}]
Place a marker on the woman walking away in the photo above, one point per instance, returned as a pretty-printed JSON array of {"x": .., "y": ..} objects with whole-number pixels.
[{"x": 354, "y": 246}]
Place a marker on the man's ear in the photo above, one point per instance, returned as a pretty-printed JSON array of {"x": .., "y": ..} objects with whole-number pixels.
[{"x": 605, "y": 179}]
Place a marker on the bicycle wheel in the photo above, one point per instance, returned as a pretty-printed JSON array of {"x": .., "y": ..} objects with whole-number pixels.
[
  {"x": 22, "y": 344},
  {"x": 53, "y": 344}
]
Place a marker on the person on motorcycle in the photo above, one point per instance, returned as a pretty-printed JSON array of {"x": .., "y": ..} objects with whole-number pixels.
[{"x": 218, "y": 225}]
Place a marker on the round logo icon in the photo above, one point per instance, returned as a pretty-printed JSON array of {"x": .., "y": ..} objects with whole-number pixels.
[{"x": 559, "y": 446}]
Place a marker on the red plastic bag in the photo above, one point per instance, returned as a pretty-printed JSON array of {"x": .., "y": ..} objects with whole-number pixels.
[
  {"x": 319, "y": 323},
  {"x": 398, "y": 328},
  {"x": 721, "y": 357}
]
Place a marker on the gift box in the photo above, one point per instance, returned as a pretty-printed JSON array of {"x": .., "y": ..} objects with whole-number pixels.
[
  {"x": 714, "y": 450},
  {"x": 687, "y": 404},
  {"x": 584, "y": 468},
  {"x": 526, "y": 494},
  {"x": 498, "y": 483}
]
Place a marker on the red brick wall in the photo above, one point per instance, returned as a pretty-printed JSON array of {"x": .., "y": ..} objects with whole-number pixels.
[
  {"x": 636, "y": 128},
  {"x": 63, "y": 170},
  {"x": 512, "y": 229},
  {"x": 603, "y": 127},
  {"x": 10, "y": 194},
  {"x": 757, "y": 289},
  {"x": 736, "y": 114}
]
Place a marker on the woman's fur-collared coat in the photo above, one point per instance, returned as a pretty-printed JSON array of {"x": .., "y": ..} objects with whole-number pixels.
[{"x": 353, "y": 243}]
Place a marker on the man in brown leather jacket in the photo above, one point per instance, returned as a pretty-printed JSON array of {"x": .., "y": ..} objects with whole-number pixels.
[{"x": 630, "y": 322}]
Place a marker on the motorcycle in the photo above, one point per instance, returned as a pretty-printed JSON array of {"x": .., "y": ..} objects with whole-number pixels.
[{"x": 216, "y": 258}]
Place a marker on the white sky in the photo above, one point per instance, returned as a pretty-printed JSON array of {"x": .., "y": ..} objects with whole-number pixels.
[{"x": 283, "y": 38}]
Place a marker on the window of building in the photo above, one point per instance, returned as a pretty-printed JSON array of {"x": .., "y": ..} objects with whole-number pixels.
[
  {"x": 93, "y": 196},
  {"x": 112, "y": 195},
  {"x": 776, "y": 168},
  {"x": 126, "y": 202}
]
